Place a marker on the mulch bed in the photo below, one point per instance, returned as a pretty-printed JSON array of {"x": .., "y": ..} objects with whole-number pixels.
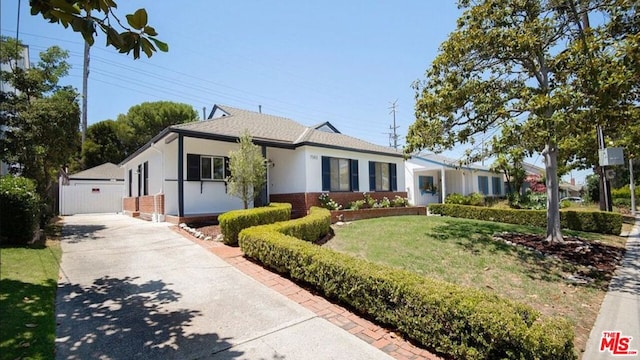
[
  {"x": 599, "y": 259},
  {"x": 207, "y": 228}
]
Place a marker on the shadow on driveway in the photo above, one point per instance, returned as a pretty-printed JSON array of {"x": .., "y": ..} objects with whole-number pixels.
[
  {"x": 117, "y": 318},
  {"x": 78, "y": 233}
]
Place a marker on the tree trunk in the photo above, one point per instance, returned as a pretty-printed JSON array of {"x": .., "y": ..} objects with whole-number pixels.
[{"x": 550, "y": 154}]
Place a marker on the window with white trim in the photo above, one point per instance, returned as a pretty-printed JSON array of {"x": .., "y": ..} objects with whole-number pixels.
[{"x": 207, "y": 167}]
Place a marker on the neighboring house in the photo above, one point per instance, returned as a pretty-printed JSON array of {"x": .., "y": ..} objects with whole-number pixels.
[
  {"x": 570, "y": 189},
  {"x": 95, "y": 190},
  {"x": 430, "y": 178},
  {"x": 180, "y": 174}
]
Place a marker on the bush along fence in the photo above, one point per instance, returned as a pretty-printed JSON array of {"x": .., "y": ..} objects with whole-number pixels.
[
  {"x": 232, "y": 222},
  {"x": 19, "y": 210},
  {"x": 590, "y": 221},
  {"x": 456, "y": 321}
]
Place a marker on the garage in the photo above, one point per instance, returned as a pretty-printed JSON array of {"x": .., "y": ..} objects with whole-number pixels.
[{"x": 95, "y": 190}]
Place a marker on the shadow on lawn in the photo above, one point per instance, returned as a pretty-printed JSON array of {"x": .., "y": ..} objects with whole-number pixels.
[
  {"x": 26, "y": 319},
  {"x": 477, "y": 238},
  {"x": 118, "y": 318}
]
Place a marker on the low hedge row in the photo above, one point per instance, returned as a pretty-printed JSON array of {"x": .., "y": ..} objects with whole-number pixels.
[
  {"x": 461, "y": 322},
  {"x": 590, "y": 221},
  {"x": 232, "y": 222}
]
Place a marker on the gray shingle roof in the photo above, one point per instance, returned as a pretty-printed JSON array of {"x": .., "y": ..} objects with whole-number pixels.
[
  {"x": 106, "y": 171},
  {"x": 447, "y": 161},
  {"x": 276, "y": 129}
]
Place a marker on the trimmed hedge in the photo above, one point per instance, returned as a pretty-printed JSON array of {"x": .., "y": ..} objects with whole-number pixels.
[
  {"x": 590, "y": 221},
  {"x": 19, "y": 210},
  {"x": 232, "y": 222},
  {"x": 461, "y": 322}
]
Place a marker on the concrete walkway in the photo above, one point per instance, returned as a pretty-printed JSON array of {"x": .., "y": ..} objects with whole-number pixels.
[
  {"x": 135, "y": 289},
  {"x": 620, "y": 310}
]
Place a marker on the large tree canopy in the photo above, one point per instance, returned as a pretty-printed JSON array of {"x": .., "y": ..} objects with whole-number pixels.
[
  {"x": 39, "y": 121},
  {"x": 87, "y": 16},
  {"x": 104, "y": 143},
  {"x": 144, "y": 121},
  {"x": 523, "y": 64}
]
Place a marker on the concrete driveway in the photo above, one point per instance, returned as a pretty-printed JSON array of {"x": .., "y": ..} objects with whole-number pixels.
[{"x": 134, "y": 289}]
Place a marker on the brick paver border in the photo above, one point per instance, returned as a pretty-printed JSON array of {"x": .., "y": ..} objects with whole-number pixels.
[{"x": 383, "y": 339}]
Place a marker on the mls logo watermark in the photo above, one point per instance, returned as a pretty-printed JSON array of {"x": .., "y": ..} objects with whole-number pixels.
[{"x": 616, "y": 343}]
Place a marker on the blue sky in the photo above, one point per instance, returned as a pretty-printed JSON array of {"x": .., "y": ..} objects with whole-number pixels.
[{"x": 338, "y": 61}]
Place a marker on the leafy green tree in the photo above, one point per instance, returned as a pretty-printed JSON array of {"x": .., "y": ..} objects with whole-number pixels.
[
  {"x": 87, "y": 16},
  {"x": 514, "y": 59},
  {"x": 40, "y": 120},
  {"x": 248, "y": 170},
  {"x": 144, "y": 121},
  {"x": 103, "y": 144}
]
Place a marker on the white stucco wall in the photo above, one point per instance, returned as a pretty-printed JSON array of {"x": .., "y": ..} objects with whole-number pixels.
[
  {"x": 155, "y": 167},
  {"x": 313, "y": 162},
  {"x": 209, "y": 196},
  {"x": 287, "y": 175}
]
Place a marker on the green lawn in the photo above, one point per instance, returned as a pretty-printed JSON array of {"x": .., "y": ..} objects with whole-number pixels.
[
  {"x": 462, "y": 251},
  {"x": 28, "y": 282}
]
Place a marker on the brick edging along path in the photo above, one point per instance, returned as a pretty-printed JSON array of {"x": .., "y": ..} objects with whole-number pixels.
[{"x": 377, "y": 336}]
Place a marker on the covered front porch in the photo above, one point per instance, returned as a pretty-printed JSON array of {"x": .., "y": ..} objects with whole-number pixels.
[{"x": 433, "y": 185}]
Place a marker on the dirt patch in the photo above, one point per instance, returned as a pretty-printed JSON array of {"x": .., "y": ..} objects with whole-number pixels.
[{"x": 593, "y": 260}]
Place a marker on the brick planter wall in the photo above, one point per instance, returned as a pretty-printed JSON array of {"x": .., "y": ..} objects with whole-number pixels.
[
  {"x": 130, "y": 204},
  {"x": 147, "y": 205},
  {"x": 301, "y": 202},
  {"x": 352, "y": 215}
]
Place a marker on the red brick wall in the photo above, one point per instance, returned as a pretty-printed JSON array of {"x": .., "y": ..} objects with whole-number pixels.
[
  {"x": 130, "y": 204},
  {"x": 297, "y": 201},
  {"x": 301, "y": 202},
  {"x": 352, "y": 215},
  {"x": 147, "y": 205}
]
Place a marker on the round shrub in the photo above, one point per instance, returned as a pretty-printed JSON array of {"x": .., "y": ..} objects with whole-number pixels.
[{"x": 19, "y": 210}]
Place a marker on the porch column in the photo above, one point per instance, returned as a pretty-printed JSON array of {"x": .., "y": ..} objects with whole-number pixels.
[
  {"x": 442, "y": 185},
  {"x": 180, "y": 175},
  {"x": 464, "y": 183}
]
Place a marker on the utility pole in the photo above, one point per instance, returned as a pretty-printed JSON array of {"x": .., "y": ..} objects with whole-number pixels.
[
  {"x": 85, "y": 82},
  {"x": 393, "y": 134}
]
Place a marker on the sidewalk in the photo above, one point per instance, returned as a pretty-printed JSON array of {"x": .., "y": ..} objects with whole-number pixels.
[{"x": 620, "y": 310}]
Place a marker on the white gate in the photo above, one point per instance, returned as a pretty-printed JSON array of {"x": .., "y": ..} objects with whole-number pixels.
[{"x": 91, "y": 198}]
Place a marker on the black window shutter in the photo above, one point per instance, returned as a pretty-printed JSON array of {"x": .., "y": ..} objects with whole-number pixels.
[
  {"x": 372, "y": 176},
  {"x": 393, "y": 175},
  {"x": 355, "y": 183},
  {"x": 145, "y": 168},
  {"x": 193, "y": 167},
  {"x": 227, "y": 169},
  {"x": 326, "y": 173}
]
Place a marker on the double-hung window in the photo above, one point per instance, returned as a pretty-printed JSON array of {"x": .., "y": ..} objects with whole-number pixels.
[
  {"x": 496, "y": 185},
  {"x": 383, "y": 176},
  {"x": 339, "y": 174},
  {"x": 483, "y": 185}
]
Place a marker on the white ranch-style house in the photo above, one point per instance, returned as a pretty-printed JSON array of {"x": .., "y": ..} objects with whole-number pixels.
[
  {"x": 430, "y": 178},
  {"x": 180, "y": 174}
]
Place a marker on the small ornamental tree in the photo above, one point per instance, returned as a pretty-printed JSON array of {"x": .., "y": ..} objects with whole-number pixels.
[{"x": 248, "y": 171}]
